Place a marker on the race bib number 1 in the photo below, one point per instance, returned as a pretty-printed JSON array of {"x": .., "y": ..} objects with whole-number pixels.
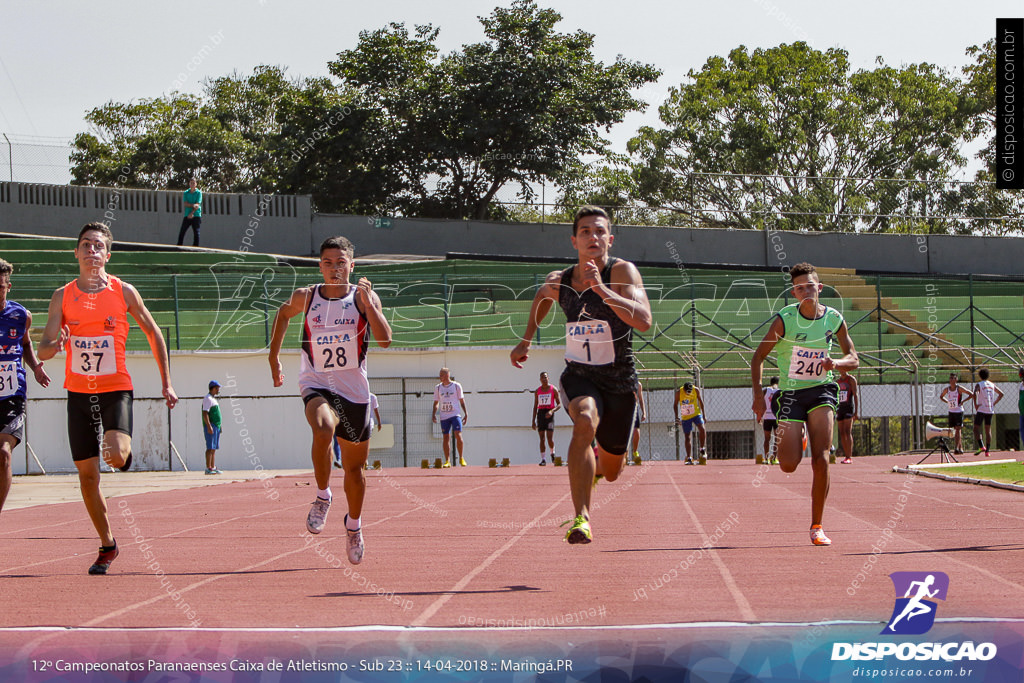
[
  {"x": 333, "y": 351},
  {"x": 807, "y": 364},
  {"x": 589, "y": 342},
  {"x": 93, "y": 355},
  {"x": 8, "y": 378}
]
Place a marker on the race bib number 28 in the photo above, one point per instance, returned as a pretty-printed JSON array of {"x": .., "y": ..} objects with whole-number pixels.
[
  {"x": 807, "y": 364},
  {"x": 333, "y": 351},
  {"x": 589, "y": 342},
  {"x": 93, "y": 355}
]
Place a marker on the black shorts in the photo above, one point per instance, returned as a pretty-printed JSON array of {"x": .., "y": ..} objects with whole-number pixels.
[
  {"x": 12, "y": 417},
  {"x": 353, "y": 418},
  {"x": 793, "y": 405},
  {"x": 844, "y": 411},
  {"x": 770, "y": 424},
  {"x": 956, "y": 419},
  {"x": 615, "y": 411},
  {"x": 981, "y": 418},
  {"x": 545, "y": 423},
  {"x": 91, "y": 415}
]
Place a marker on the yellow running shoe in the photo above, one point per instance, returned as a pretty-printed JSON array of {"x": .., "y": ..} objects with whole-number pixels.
[
  {"x": 462, "y": 461},
  {"x": 446, "y": 464},
  {"x": 579, "y": 532}
]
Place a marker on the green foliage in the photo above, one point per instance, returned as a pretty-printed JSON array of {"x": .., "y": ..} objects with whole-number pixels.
[{"x": 788, "y": 137}]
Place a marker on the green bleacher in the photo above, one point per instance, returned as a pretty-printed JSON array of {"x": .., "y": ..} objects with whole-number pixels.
[{"x": 227, "y": 301}]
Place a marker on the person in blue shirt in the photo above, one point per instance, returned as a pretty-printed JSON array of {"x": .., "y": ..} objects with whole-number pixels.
[
  {"x": 16, "y": 351},
  {"x": 193, "y": 198}
]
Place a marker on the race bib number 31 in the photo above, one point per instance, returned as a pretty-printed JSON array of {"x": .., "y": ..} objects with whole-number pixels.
[
  {"x": 333, "y": 351},
  {"x": 93, "y": 355},
  {"x": 807, "y": 364},
  {"x": 8, "y": 378},
  {"x": 589, "y": 342}
]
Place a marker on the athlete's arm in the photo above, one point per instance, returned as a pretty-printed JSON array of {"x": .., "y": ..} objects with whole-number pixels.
[
  {"x": 640, "y": 400},
  {"x": 855, "y": 396},
  {"x": 625, "y": 294},
  {"x": 700, "y": 402},
  {"x": 775, "y": 332},
  {"x": 206, "y": 422},
  {"x": 371, "y": 307},
  {"x": 942, "y": 396},
  {"x": 997, "y": 390},
  {"x": 376, "y": 414},
  {"x": 542, "y": 300},
  {"x": 536, "y": 402},
  {"x": 558, "y": 401},
  {"x": 145, "y": 321},
  {"x": 465, "y": 412},
  {"x": 850, "y": 360},
  {"x": 28, "y": 354},
  {"x": 56, "y": 333},
  {"x": 289, "y": 309}
]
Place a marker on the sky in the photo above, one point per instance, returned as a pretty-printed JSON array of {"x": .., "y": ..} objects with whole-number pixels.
[{"x": 62, "y": 58}]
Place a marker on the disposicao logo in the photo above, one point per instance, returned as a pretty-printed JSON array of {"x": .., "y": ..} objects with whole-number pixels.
[{"x": 914, "y": 614}]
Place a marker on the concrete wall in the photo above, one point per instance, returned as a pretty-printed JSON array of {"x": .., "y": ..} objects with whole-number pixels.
[
  {"x": 286, "y": 225},
  {"x": 275, "y": 224}
]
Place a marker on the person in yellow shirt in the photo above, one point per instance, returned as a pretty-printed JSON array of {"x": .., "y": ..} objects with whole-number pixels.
[{"x": 689, "y": 409}]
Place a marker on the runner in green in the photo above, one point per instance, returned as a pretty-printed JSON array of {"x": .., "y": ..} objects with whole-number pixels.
[{"x": 803, "y": 334}]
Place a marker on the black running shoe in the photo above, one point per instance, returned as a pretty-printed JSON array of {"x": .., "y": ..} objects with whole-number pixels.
[{"x": 102, "y": 562}]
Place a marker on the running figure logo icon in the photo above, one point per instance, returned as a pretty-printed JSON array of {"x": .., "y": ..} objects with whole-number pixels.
[{"x": 914, "y": 613}]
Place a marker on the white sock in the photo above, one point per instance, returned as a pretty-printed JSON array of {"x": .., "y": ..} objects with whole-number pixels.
[
  {"x": 324, "y": 493},
  {"x": 349, "y": 522}
]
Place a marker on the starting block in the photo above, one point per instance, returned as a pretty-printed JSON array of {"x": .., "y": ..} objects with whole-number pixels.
[
  {"x": 636, "y": 459},
  {"x": 702, "y": 460},
  {"x": 504, "y": 462},
  {"x": 832, "y": 458},
  {"x": 492, "y": 463},
  {"x": 759, "y": 459},
  {"x": 557, "y": 460},
  {"x": 376, "y": 465},
  {"x": 437, "y": 463},
  {"x": 424, "y": 464}
]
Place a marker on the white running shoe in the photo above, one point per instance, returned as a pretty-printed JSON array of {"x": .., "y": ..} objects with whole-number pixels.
[
  {"x": 317, "y": 515},
  {"x": 818, "y": 536},
  {"x": 355, "y": 544}
]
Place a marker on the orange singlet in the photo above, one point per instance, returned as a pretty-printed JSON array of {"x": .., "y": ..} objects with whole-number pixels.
[{"x": 99, "y": 331}]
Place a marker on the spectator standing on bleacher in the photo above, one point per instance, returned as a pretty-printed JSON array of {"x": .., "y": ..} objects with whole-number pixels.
[{"x": 193, "y": 198}]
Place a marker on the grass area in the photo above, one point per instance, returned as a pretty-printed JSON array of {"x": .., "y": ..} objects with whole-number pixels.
[{"x": 1009, "y": 472}]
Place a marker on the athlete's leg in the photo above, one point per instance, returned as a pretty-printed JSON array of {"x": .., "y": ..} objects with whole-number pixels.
[
  {"x": 458, "y": 441},
  {"x": 540, "y": 433},
  {"x": 610, "y": 465},
  {"x": 7, "y": 444},
  {"x": 551, "y": 441},
  {"x": 95, "y": 503},
  {"x": 767, "y": 442},
  {"x": 322, "y": 421},
  {"x": 819, "y": 427},
  {"x": 446, "y": 443},
  {"x": 702, "y": 435},
  {"x": 789, "y": 450},
  {"x": 988, "y": 433},
  {"x": 687, "y": 438},
  {"x": 958, "y": 441},
  {"x": 581, "y": 460},
  {"x": 353, "y": 459},
  {"x": 116, "y": 447},
  {"x": 846, "y": 436}
]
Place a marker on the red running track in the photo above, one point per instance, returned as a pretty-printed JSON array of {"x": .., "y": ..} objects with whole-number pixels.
[{"x": 478, "y": 546}]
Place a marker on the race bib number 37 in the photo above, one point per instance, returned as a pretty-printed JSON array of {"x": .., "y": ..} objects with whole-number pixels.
[
  {"x": 93, "y": 355},
  {"x": 589, "y": 342},
  {"x": 807, "y": 364}
]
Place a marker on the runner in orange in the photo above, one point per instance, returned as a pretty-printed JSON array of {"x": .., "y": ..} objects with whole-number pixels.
[{"x": 88, "y": 319}]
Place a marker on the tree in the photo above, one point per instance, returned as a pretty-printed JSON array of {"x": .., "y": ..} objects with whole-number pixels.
[
  {"x": 790, "y": 132},
  {"x": 525, "y": 105}
]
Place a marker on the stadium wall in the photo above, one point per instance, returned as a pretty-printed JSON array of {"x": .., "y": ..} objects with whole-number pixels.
[
  {"x": 286, "y": 224},
  {"x": 265, "y": 427}
]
